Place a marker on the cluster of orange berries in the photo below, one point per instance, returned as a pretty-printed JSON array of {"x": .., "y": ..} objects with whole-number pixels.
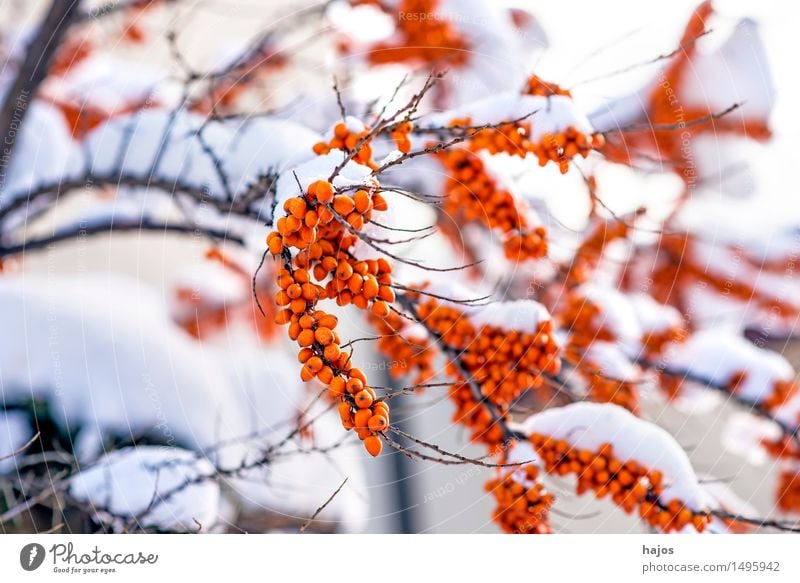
[
  {"x": 591, "y": 249},
  {"x": 564, "y": 146},
  {"x": 502, "y": 363},
  {"x": 675, "y": 271},
  {"x": 580, "y": 318},
  {"x": 600, "y": 387},
  {"x": 788, "y": 488},
  {"x": 788, "y": 497},
  {"x": 782, "y": 390},
  {"x": 514, "y": 139},
  {"x": 523, "y": 504},
  {"x": 313, "y": 225},
  {"x": 666, "y": 106},
  {"x": 654, "y": 343},
  {"x": 201, "y": 316},
  {"x": 537, "y": 86},
  {"x": 630, "y": 484},
  {"x": 473, "y": 194},
  {"x": 406, "y": 351},
  {"x": 400, "y": 135},
  {"x": 428, "y": 39},
  {"x": 347, "y": 140}
]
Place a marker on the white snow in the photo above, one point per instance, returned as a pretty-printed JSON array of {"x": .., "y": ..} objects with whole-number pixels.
[
  {"x": 106, "y": 356},
  {"x": 617, "y": 313},
  {"x": 738, "y": 72},
  {"x": 718, "y": 354},
  {"x": 743, "y": 434},
  {"x": 652, "y": 316},
  {"x": 320, "y": 168},
  {"x": 162, "y": 487},
  {"x": 612, "y": 361},
  {"x": 590, "y": 425},
  {"x": 15, "y": 431},
  {"x": 45, "y": 153},
  {"x": 135, "y": 143},
  {"x": 517, "y": 315}
]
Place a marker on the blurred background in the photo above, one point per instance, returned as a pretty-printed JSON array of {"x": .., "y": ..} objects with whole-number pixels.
[{"x": 587, "y": 42}]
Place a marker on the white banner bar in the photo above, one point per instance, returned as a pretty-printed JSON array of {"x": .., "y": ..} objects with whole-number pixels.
[{"x": 398, "y": 558}]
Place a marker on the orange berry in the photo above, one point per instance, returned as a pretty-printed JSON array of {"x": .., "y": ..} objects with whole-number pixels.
[
  {"x": 343, "y": 205},
  {"x": 371, "y": 287},
  {"x": 362, "y": 201},
  {"x": 275, "y": 245},
  {"x": 283, "y": 317},
  {"x": 328, "y": 321},
  {"x": 314, "y": 364},
  {"x": 306, "y": 338},
  {"x": 324, "y": 191},
  {"x": 332, "y": 352},
  {"x": 381, "y": 309},
  {"x": 381, "y": 407},
  {"x": 361, "y": 418},
  {"x": 363, "y": 399},
  {"x": 378, "y": 423},
  {"x": 354, "y": 386},
  {"x": 337, "y": 387},
  {"x": 325, "y": 374},
  {"x": 324, "y": 336},
  {"x": 344, "y": 270},
  {"x": 357, "y": 373},
  {"x": 296, "y": 207},
  {"x": 373, "y": 445}
]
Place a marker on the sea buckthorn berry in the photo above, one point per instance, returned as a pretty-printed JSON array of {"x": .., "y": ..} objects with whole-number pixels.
[
  {"x": 362, "y": 201},
  {"x": 323, "y": 335},
  {"x": 363, "y": 399},
  {"x": 337, "y": 388},
  {"x": 314, "y": 364},
  {"x": 379, "y": 202},
  {"x": 344, "y": 411},
  {"x": 378, "y": 423},
  {"x": 343, "y": 205},
  {"x": 629, "y": 484},
  {"x": 362, "y": 417},
  {"x": 332, "y": 352},
  {"x": 354, "y": 386},
  {"x": 381, "y": 309},
  {"x": 324, "y": 191},
  {"x": 373, "y": 445},
  {"x": 306, "y": 338},
  {"x": 322, "y": 251},
  {"x": 522, "y": 501}
]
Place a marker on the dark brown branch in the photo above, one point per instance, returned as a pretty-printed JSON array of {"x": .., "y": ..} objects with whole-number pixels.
[
  {"x": 112, "y": 226},
  {"x": 313, "y": 517},
  {"x": 32, "y": 71},
  {"x": 645, "y": 127}
]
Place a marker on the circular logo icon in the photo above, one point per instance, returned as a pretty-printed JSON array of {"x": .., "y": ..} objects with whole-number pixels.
[{"x": 31, "y": 556}]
